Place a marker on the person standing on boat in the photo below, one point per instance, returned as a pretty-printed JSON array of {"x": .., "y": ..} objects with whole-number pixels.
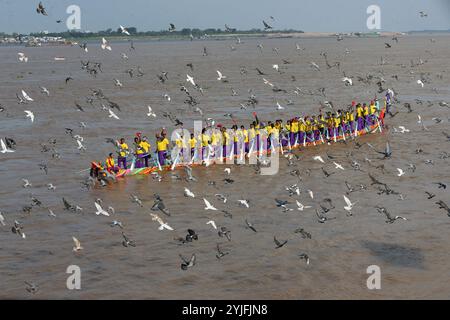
[
  {"x": 206, "y": 141},
  {"x": 372, "y": 111},
  {"x": 192, "y": 144},
  {"x": 161, "y": 148},
  {"x": 138, "y": 152},
  {"x": 225, "y": 142},
  {"x": 359, "y": 117},
  {"x": 252, "y": 136},
  {"x": 293, "y": 131},
  {"x": 123, "y": 152},
  {"x": 366, "y": 115},
  {"x": 257, "y": 126},
  {"x": 244, "y": 134},
  {"x": 145, "y": 146},
  {"x": 236, "y": 138}
]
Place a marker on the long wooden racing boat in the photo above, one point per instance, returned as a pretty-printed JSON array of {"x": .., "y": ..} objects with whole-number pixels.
[{"x": 148, "y": 170}]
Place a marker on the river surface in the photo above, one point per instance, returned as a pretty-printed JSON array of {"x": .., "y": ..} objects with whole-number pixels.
[{"x": 413, "y": 255}]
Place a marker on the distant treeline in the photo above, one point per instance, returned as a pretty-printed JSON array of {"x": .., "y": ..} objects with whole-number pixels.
[{"x": 186, "y": 32}]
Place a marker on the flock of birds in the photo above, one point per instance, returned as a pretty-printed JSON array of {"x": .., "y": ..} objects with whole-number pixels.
[{"x": 344, "y": 166}]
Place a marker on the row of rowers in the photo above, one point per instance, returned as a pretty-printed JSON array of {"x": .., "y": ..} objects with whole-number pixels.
[{"x": 327, "y": 125}]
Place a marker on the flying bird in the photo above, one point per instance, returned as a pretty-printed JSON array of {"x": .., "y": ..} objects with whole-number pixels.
[
  {"x": 5, "y": 149},
  {"x": 40, "y": 9},
  {"x": 301, "y": 207},
  {"x": 100, "y": 210},
  {"x": 78, "y": 246},
  {"x": 208, "y": 205},
  {"x": 30, "y": 115},
  {"x": 124, "y": 30},
  {"x": 220, "y": 75},
  {"x": 26, "y": 96},
  {"x": 105, "y": 45},
  {"x": 22, "y": 57},
  {"x": 188, "y": 193},
  {"x": 212, "y": 223},
  {"x": 266, "y": 26},
  {"x": 318, "y": 158},
  {"x": 113, "y": 115},
  {"x": 349, "y": 204}
]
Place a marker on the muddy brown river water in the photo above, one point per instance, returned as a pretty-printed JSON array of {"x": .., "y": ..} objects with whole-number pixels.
[{"x": 413, "y": 255}]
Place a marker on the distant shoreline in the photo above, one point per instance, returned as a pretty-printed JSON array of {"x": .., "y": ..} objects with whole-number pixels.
[{"x": 227, "y": 36}]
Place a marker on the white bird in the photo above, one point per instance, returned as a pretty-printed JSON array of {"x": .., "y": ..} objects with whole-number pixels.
[
  {"x": 167, "y": 97},
  {"x": 348, "y": 81},
  {"x": 267, "y": 82},
  {"x": 50, "y": 213},
  {"x": 244, "y": 203},
  {"x": 162, "y": 225},
  {"x": 338, "y": 166},
  {"x": 22, "y": 57},
  {"x": 117, "y": 83},
  {"x": 26, "y": 96},
  {"x": 421, "y": 122},
  {"x": 208, "y": 205},
  {"x": 2, "y": 220},
  {"x": 279, "y": 107},
  {"x": 403, "y": 129},
  {"x": 227, "y": 170},
  {"x": 318, "y": 158},
  {"x": 212, "y": 223},
  {"x": 276, "y": 67},
  {"x": 350, "y": 205},
  {"x": 113, "y": 115},
  {"x": 301, "y": 207},
  {"x": 190, "y": 79},
  {"x": 45, "y": 91},
  {"x": 78, "y": 246},
  {"x": 50, "y": 186},
  {"x": 400, "y": 172},
  {"x": 419, "y": 82},
  {"x": 124, "y": 30},
  {"x": 220, "y": 75},
  {"x": 150, "y": 112},
  {"x": 26, "y": 183},
  {"x": 100, "y": 210},
  {"x": 311, "y": 194},
  {"x": 188, "y": 193},
  {"x": 30, "y": 115},
  {"x": 105, "y": 45},
  {"x": 80, "y": 145},
  {"x": 5, "y": 148},
  {"x": 314, "y": 65}
]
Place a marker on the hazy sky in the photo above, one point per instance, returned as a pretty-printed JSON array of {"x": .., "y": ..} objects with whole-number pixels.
[{"x": 308, "y": 15}]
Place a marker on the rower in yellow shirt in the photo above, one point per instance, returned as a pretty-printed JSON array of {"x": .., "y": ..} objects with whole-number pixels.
[
  {"x": 110, "y": 164},
  {"x": 205, "y": 140},
  {"x": 123, "y": 152},
  {"x": 145, "y": 147},
  {"x": 161, "y": 147},
  {"x": 192, "y": 144},
  {"x": 245, "y": 136}
]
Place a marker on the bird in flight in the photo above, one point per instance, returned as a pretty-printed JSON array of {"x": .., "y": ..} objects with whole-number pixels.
[
  {"x": 40, "y": 9},
  {"x": 124, "y": 30},
  {"x": 266, "y": 26},
  {"x": 30, "y": 115},
  {"x": 208, "y": 205}
]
